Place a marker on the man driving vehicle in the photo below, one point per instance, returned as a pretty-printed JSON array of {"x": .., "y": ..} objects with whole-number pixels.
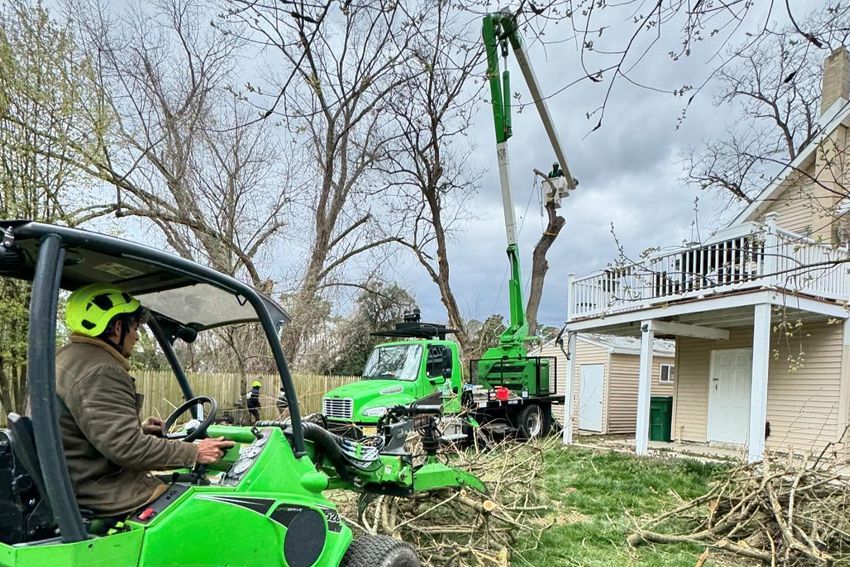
[{"x": 109, "y": 450}]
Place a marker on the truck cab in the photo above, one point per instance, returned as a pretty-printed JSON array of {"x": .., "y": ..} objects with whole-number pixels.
[{"x": 419, "y": 363}]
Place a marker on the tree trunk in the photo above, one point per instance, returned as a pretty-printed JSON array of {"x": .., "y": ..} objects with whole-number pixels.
[{"x": 539, "y": 264}]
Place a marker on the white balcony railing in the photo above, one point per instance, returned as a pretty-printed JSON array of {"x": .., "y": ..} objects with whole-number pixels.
[{"x": 748, "y": 256}]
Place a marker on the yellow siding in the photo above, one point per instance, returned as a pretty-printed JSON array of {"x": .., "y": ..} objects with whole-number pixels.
[
  {"x": 805, "y": 206},
  {"x": 802, "y": 406},
  {"x": 623, "y": 390}
]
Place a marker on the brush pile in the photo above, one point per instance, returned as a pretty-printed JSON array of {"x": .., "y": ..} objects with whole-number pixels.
[
  {"x": 464, "y": 528},
  {"x": 791, "y": 512}
]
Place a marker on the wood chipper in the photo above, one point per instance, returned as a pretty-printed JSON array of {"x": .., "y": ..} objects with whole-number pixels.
[{"x": 263, "y": 503}]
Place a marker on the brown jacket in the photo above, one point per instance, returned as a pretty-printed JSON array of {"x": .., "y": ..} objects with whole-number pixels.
[{"x": 108, "y": 454}]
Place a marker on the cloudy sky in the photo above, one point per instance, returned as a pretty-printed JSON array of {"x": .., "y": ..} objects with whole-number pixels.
[{"x": 629, "y": 170}]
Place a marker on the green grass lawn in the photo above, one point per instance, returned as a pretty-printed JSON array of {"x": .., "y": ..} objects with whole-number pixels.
[{"x": 596, "y": 498}]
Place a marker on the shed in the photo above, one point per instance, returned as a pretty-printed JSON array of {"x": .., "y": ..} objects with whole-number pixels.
[{"x": 605, "y": 384}]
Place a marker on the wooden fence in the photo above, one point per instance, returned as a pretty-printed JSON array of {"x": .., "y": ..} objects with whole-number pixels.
[{"x": 162, "y": 393}]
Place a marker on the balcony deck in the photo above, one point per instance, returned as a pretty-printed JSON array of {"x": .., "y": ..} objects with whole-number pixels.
[{"x": 745, "y": 257}]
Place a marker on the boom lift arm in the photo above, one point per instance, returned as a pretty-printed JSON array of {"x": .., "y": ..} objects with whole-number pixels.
[{"x": 500, "y": 32}]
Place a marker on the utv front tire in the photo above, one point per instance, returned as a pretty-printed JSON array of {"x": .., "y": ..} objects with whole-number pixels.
[{"x": 379, "y": 551}]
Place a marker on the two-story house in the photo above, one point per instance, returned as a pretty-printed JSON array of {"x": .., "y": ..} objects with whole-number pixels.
[{"x": 759, "y": 312}]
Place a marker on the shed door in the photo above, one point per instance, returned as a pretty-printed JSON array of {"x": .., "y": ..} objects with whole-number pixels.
[
  {"x": 590, "y": 404},
  {"x": 729, "y": 385}
]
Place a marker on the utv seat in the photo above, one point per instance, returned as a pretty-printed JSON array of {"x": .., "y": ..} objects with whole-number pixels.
[{"x": 24, "y": 513}]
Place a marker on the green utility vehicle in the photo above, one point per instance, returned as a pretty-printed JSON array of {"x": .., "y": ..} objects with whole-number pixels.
[
  {"x": 506, "y": 388},
  {"x": 262, "y": 504}
]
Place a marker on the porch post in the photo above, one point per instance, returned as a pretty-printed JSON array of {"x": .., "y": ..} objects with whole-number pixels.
[
  {"x": 568, "y": 388},
  {"x": 644, "y": 388},
  {"x": 758, "y": 392},
  {"x": 844, "y": 392}
]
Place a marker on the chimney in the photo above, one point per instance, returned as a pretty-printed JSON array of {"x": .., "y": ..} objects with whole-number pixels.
[{"x": 836, "y": 78}]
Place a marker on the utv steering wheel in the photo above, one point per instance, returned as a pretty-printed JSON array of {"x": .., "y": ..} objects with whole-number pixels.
[{"x": 194, "y": 430}]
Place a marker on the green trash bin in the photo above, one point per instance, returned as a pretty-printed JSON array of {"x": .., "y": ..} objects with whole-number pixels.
[{"x": 660, "y": 417}]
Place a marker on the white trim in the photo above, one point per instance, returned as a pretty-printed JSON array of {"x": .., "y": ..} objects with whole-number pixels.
[
  {"x": 835, "y": 115},
  {"x": 714, "y": 304},
  {"x": 672, "y": 371},
  {"x": 644, "y": 389},
  {"x": 758, "y": 384}
]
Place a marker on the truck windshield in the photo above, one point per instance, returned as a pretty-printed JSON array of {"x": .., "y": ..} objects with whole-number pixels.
[{"x": 394, "y": 362}]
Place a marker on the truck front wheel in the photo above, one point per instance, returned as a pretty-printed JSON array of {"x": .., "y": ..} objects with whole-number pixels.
[
  {"x": 534, "y": 421},
  {"x": 379, "y": 551}
]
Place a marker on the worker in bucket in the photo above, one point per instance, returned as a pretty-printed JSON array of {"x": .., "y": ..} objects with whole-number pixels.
[
  {"x": 253, "y": 398},
  {"x": 109, "y": 450}
]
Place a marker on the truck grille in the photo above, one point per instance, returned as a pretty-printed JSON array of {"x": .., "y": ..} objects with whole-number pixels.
[{"x": 338, "y": 408}]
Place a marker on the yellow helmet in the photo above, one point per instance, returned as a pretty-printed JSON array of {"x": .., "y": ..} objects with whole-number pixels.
[
  {"x": 91, "y": 308},
  {"x": 256, "y": 384}
]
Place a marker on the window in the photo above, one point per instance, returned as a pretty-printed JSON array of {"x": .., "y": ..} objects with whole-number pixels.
[
  {"x": 394, "y": 362},
  {"x": 668, "y": 373}
]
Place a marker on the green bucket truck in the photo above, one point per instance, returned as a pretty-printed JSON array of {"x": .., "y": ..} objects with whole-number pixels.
[{"x": 506, "y": 389}]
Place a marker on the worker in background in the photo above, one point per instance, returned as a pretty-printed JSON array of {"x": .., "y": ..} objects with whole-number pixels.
[
  {"x": 282, "y": 402},
  {"x": 253, "y": 398},
  {"x": 109, "y": 450}
]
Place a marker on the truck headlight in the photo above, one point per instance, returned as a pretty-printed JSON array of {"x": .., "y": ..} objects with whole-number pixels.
[{"x": 374, "y": 412}]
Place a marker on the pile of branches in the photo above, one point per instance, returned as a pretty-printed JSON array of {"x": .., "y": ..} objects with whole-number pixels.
[
  {"x": 463, "y": 528},
  {"x": 793, "y": 512}
]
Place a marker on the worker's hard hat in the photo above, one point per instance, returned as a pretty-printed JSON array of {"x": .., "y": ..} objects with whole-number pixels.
[
  {"x": 256, "y": 384},
  {"x": 91, "y": 308}
]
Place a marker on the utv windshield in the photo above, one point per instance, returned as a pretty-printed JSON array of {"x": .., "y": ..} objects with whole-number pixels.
[{"x": 394, "y": 362}]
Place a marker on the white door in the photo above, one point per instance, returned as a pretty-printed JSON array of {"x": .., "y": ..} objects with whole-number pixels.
[
  {"x": 590, "y": 400},
  {"x": 729, "y": 383}
]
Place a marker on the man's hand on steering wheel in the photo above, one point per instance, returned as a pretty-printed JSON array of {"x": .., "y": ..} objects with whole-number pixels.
[
  {"x": 152, "y": 426},
  {"x": 211, "y": 450}
]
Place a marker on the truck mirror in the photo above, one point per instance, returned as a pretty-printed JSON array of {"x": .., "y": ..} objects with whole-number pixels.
[{"x": 437, "y": 380}]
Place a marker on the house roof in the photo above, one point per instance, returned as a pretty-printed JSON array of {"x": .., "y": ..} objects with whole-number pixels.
[
  {"x": 836, "y": 115},
  {"x": 622, "y": 345}
]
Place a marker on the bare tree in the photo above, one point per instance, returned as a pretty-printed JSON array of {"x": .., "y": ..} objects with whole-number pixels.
[
  {"x": 429, "y": 162},
  {"x": 773, "y": 87},
  {"x": 347, "y": 68},
  {"x": 182, "y": 151}
]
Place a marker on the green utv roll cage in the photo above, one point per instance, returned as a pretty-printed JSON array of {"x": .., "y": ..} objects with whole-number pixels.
[{"x": 262, "y": 504}]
